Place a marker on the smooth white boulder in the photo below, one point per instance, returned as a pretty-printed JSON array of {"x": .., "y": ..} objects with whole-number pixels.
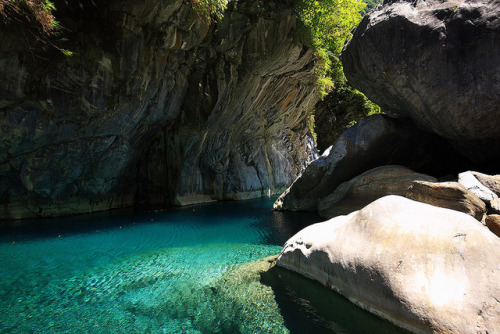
[{"x": 424, "y": 268}]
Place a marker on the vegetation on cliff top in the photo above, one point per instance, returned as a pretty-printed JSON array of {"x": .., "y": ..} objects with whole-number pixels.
[
  {"x": 327, "y": 25},
  {"x": 37, "y": 12},
  {"x": 207, "y": 9},
  {"x": 369, "y": 5},
  {"x": 37, "y": 20},
  {"x": 324, "y": 25}
]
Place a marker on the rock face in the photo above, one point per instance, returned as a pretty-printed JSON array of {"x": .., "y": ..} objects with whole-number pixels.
[
  {"x": 367, "y": 187},
  {"x": 334, "y": 114},
  {"x": 155, "y": 107},
  {"x": 481, "y": 185},
  {"x": 449, "y": 195},
  {"x": 439, "y": 67},
  {"x": 424, "y": 268},
  {"x": 374, "y": 141},
  {"x": 495, "y": 206},
  {"x": 493, "y": 223}
]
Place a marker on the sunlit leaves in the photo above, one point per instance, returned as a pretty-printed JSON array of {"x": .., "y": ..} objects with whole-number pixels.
[
  {"x": 208, "y": 9},
  {"x": 328, "y": 25}
]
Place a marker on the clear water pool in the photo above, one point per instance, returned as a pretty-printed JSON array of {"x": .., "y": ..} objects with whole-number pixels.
[{"x": 184, "y": 270}]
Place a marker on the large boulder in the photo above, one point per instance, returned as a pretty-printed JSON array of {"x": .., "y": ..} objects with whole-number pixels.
[
  {"x": 436, "y": 62},
  {"x": 367, "y": 187},
  {"x": 449, "y": 195},
  {"x": 424, "y": 268},
  {"x": 374, "y": 141}
]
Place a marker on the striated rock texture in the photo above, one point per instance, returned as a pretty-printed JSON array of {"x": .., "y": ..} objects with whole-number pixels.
[
  {"x": 426, "y": 269},
  {"x": 365, "y": 188},
  {"x": 439, "y": 67},
  {"x": 155, "y": 107},
  {"x": 449, "y": 195},
  {"x": 374, "y": 141}
]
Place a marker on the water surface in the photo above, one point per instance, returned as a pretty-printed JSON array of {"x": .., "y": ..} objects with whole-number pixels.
[{"x": 183, "y": 270}]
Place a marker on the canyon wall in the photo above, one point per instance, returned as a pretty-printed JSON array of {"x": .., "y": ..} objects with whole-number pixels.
[{"x": 156, "y": 106}]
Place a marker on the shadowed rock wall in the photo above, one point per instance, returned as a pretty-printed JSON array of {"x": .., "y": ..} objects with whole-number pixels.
[{"x": 155, "y": 107}]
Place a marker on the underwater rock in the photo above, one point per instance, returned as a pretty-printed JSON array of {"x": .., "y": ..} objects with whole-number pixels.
[{"x": 424, "y": 268}]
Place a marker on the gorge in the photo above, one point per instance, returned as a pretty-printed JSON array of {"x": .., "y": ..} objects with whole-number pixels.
[{"x": 158, "y": 103}]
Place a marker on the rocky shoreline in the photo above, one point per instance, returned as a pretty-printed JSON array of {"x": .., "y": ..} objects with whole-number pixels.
[{"x": 415, "y": 233}]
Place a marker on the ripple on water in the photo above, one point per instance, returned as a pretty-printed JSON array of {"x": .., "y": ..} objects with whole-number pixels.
[
  {"x": 180, "y": 271},
  {"x": 169, "y": 291}
]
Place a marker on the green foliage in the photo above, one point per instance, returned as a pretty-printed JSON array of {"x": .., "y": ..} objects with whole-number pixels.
[
  {"x": 38, "y": 12},
  {"x": 343, "y": 107},
  {"x": 369, "y": 5},
  {"x": 310, "y": 126},
  {"x": 36, "y": 16},
  {"x": 208, "y": 9},
  {"x": 327, "y": 25}
]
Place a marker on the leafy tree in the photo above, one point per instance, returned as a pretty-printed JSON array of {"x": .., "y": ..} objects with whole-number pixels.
[{"x": 327, "y": 25}]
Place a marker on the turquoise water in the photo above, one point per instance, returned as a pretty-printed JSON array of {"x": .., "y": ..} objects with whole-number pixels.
[{"x": 178, "y": 271}]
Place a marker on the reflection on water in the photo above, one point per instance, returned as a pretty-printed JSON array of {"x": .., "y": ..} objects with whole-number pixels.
[{"x": 175, "y": 271}]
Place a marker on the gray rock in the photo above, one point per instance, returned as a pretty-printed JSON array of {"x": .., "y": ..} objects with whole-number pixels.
[
  {"x": 437, "y": 63},
  {"x": 367, "y": 187},
  {"x": 155, "y": 107},
  {"x": 471, "y": 183},
  {"x": 424, "y": 268},
  {"x": 449, "y": 195},
  {"x": 374, "y": 141}
]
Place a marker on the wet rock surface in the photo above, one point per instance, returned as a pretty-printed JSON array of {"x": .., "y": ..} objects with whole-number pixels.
[{"x": 155, "y": 106}]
